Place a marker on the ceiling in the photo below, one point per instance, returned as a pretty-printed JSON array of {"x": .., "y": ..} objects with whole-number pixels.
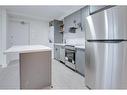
[{"x": 43, "y": 12}]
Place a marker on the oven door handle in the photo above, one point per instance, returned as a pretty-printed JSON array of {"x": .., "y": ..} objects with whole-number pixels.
[{"x": 68, "y": 50}]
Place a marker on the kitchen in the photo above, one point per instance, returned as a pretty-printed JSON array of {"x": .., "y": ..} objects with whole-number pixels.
[
  {"x": 72, "y": 45},
  {"x": 26, "y": 30}
]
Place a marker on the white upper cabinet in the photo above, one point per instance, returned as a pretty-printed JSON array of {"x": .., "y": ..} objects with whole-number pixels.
[
  {"x": 73, "y": 20},
  {"x": 76, "y": 19}
]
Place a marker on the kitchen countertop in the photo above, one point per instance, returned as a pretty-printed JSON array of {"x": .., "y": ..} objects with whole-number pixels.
[
  {"x": 27, "y": 49},
  {"x": 80, "y": 47},
  {"x": 76, "y": 46},
  {"x": 60, "y": 44}
]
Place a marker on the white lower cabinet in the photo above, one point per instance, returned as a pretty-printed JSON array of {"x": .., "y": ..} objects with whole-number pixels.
[
  {"x": 80, "y": 61},
  {"x": 62, "y": 54},
  {"x": 57, "y": 52}
]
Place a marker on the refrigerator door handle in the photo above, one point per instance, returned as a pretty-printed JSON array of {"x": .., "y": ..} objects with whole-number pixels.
[{"x": 106, "y": 41}]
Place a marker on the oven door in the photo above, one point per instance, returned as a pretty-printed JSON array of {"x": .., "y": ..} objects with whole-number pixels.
[{"x": 70, "y": 58}]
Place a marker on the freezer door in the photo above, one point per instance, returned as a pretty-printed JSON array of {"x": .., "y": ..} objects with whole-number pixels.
[
  {"x": 99, "y": 59},
  {"x": 120, "y": 22},
  {"x": 108, "y": 24},
  {"x": 100, "y": 25}
]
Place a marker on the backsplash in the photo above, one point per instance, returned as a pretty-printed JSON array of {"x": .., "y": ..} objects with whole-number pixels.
[
  {"x": 74, "y": 35},
  {"x": 76, "y": 41},
  {"x": 77, "y": 38}
]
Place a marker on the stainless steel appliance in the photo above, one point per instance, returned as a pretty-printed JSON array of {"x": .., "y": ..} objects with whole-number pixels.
[
  {"x": 106, "y": 49},
  {"x": 70, "y": 56}
]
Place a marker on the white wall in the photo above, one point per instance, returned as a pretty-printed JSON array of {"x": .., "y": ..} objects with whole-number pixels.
[
  {"x": 0, "y": 38},
  {"x": 3, "y": 26},
  {"x": 38, "y": 32},
  {"x": 38, "y": 29}
]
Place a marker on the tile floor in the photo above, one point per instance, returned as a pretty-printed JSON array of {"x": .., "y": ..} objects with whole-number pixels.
[
  {"x": 9, "y": 77},
  {"x": 65, "y": 78},
  {"x": 62, "y": 77}
]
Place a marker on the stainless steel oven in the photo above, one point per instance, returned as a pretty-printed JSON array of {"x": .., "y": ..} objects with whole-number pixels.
[{"x": 70, "y": 56}]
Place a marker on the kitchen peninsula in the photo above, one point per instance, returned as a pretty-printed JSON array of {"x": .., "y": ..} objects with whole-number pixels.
[{"x": 35, "y": 65}]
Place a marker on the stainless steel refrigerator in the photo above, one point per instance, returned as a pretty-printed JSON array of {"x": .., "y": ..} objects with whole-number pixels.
[{"x": 106, "y": 49}]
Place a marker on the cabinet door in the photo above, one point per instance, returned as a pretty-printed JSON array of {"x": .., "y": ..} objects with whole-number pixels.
[
  {"x": 77, "y": 17},
  {"x": 80, "y": 61},
  {"x": 68, "y": 22},
  {"x": 58, "y": 37},
  {"x": 72, "y": 20},
  {"x": 57, "y": 52},
  {"x": 62, "y": 53},
  {"x": 98, "y": 8},
  {"x": 84, "y": 14},
  {"x": 94, "y": 9}
]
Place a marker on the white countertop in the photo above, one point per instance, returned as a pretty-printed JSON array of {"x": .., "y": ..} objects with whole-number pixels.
[
  {"x": 76, "y": 45},
  {"x": 61, "y": 44},
  {"x": 81, "y": 47},
  {"x": 27, "y": 49}
]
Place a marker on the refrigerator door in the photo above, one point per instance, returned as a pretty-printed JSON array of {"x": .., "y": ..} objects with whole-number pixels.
[
  {"x": 100, "y": 25},
  {"x": 99, "y": 59},
  {"x": 108, "y": 24},
  {"x": 120, "y": 22},
  {"x": 119, "y": 67},
  {"x": 106, "y": 65}
]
